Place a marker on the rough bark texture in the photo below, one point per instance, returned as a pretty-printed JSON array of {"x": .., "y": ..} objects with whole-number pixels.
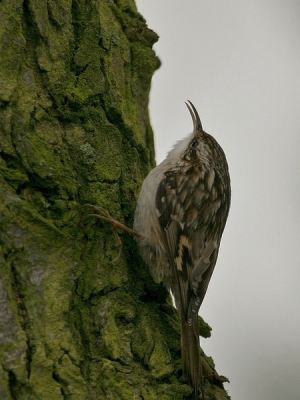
[{"x": 74, "y": 84}]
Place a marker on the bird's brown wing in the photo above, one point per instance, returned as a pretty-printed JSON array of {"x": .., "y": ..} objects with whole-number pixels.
[{"x": 181, "y": 202}]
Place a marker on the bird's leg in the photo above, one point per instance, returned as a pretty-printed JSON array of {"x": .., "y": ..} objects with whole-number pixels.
[{"x": 104, "y": 215}]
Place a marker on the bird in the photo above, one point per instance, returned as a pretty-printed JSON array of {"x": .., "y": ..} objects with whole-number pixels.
[{"x": 179, "y": 220}]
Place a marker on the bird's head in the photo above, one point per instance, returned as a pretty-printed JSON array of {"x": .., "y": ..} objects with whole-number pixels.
[{"x": 202, "y": 148}]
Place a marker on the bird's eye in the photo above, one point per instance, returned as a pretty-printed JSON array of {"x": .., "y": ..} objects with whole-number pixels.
[{"x": 195, "y": 143}]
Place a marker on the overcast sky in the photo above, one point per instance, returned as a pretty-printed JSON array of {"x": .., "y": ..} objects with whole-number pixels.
[{"x": 238, "y": 61}]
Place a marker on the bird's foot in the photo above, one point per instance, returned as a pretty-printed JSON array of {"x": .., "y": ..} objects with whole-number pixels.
[{"x": 101, "y": 213}]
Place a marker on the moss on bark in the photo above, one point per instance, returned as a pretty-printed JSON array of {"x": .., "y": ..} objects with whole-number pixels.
[{"x": 74, "y": 86}]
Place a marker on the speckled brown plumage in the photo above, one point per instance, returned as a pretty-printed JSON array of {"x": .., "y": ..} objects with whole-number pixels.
[{"x": 180, "y": 217}]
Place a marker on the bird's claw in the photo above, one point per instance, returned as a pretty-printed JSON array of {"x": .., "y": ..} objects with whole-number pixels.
[{"x": 101, "y": 213}]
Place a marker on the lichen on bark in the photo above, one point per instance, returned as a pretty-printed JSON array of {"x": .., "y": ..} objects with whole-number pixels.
[{"x": 74, "y": 88}]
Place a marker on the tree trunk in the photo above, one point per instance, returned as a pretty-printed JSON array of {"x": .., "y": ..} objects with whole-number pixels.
[{"x": 74, "y": 86}]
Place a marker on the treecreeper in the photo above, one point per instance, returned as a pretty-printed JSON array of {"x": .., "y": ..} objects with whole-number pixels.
[{"x": 178, "y": 224}]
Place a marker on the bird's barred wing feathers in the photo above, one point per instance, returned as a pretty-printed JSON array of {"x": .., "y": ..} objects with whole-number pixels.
[{"x": 192, "y": 253}]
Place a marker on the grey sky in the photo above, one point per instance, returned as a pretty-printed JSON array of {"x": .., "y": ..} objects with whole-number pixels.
[{"x": 238, "y": 61}]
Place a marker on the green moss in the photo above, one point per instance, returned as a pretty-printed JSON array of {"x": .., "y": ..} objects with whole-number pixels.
[
  {"x": 74, "y": 89},
  {"x": 204, "y": 328},
  {"x": 13, "y": 176},
  {"x": 12, "y": 48}
]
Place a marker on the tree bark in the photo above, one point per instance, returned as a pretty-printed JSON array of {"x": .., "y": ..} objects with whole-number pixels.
[{"x": 74, "y": 87}]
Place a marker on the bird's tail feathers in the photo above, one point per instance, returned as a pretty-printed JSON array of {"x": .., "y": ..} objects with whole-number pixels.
[{"x": 191, "y": 355}]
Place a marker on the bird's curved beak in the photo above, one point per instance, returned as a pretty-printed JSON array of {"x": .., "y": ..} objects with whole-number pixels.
[{"x": 195, "y": 117}]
